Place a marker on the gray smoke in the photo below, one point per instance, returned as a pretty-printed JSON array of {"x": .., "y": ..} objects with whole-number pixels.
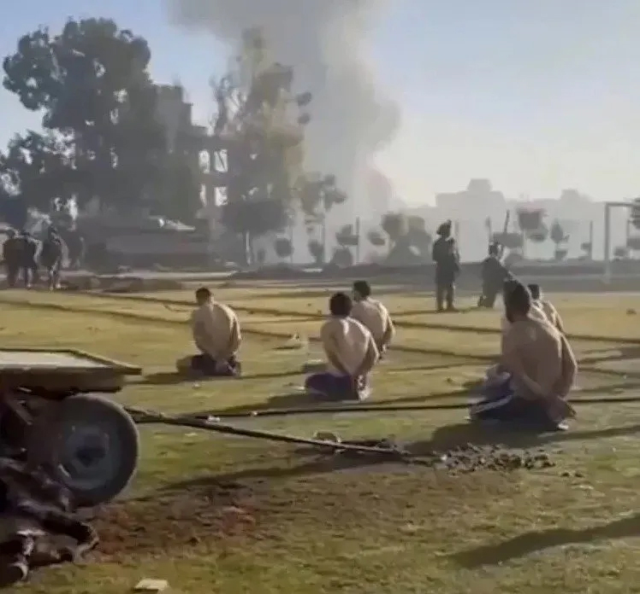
[{"x": 326, "y": 42}]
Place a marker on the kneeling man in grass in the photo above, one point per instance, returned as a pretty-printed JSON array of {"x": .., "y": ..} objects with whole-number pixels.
[
  {"x": 216, "y": 333},
  {"x": 351, "y": 354},
  {"x": 373, "y": 315},
  {"x": 539, "y": 370}
]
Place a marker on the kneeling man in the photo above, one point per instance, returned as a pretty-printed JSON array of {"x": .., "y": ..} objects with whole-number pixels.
[
  {"x": 551, "y": 313},
  {"x": 216, "y": 333},
  {"x": 351, "y": 355},
  {"x": 373, "y": 315},
  {"x": 539, "y": 370}
]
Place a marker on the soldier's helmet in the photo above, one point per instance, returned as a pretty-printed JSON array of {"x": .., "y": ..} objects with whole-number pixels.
[{"x": 444, "y": 229}]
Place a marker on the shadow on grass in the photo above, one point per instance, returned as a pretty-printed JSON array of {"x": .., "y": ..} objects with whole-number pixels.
[
  {"x": 317, "y": 465},
  {"x": 537, "y": 541},
  {"x": 452, "y": 436},
  {"x": 170, "y": 378}
]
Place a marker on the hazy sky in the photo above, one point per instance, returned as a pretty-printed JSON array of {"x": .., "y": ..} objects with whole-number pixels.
[{"x": 536, "y": 95}]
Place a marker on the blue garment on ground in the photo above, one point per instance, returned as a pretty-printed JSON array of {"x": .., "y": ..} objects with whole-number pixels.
[
  {"x": 334, "y": 388},
  {"x": 501, "y": 405},
  {"x": 208, "y": 366}
]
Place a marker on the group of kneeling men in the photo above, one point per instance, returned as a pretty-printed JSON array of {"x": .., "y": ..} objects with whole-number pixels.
[{"x": 529, "y": 385}]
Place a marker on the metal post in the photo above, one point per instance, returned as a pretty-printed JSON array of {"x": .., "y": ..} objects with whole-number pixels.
[{"x": 607, "y": 243}]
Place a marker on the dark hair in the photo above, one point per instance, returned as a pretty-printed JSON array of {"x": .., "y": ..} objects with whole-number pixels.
[
  {"x": 534, "y": 289},
  {"x": 203, "y": 293},
  {"x": 363, "y": 288},
  {"x": 340, "y": 305},
  {"x": 517, "y": 300}
]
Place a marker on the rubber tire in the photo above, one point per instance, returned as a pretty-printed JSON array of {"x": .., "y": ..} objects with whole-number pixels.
[{"x": 49, "y": 427}]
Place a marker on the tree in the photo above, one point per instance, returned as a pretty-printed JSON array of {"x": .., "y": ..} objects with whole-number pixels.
[
  {"x": 263, "y": 141},
  {"x": 418, "y": 236},
  {"x": 557, "y": 233},
  {"x": 92, "y": 86},
  {"x": 376, "y": 238},
  {"x": 36, "y": 172},
  {"x": 283, "y": 247},
  {"x": 316, "y": 249},
  {"x": 395, "y": 225}
]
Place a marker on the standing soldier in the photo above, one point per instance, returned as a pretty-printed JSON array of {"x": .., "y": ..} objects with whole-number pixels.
[
  {"x": 28, "y": 259},
  {"x": 445, "y": 255},
  {"x": 76, "y": 248},
  {"x": 11, "y": 255},
  {"x": 51, "y": 256},
  {"x": 494, "y": 274}
]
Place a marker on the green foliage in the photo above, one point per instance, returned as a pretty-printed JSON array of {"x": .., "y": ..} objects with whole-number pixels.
[
  {"x": 395, "y": 225},
  {"x": 316, "y": 249},
  {"x": 634, "y": 216},
  {"x": 36, "y": 169},
  {"x": 255, "y": 217},
  {"x": 283, "y": 247},
  {"x": 342, "y": 257},
  {"x": 376, "y": 238},
  {"x": 91, "y": 84},
  {"x": 318, "y": 193},
  {"x": 346, "y": 237},
  {"x": 557, "y": 234}
]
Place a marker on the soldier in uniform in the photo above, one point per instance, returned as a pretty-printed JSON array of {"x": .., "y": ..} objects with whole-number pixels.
[
  {"x": 11, "y": 255},
  {"x": 494, "y": 274},
  {"x": 28, "y": 259},
  {"x": 447, "y": 260},
  {"x": 51, "y": 256}
]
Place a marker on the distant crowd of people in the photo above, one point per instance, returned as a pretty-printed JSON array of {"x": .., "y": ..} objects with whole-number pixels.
[{"x": 24, "y": 255}]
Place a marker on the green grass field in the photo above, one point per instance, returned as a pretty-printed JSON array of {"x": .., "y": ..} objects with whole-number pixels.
[{"x": 211, "y": 513}]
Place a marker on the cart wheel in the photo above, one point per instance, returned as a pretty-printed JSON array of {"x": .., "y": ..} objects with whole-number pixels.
[{"x": 89, "y": 443}]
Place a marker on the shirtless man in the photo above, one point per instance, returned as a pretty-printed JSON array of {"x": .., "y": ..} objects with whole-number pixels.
[
  {"x": 216, "y": 333},
  {"x": 547, "y": 307},
  {"x": 540, "y": 366},
  {"x": 372, "y": 315},
  {"x": 351, "y": 355}
]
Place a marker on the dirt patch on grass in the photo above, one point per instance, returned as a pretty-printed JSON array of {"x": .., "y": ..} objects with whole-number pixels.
[
  {"x": 215, "y": 512},
  {"x": 175, "y": 519}
]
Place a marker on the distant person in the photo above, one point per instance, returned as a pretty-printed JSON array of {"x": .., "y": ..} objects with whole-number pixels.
[
  {"x": 447, "y": 260},
  {"x": 11, "y": 255},
  {"x": 216, "y": 333},
  {"x": 51, "y": 256},
  {"x": 76, "y": 247},
  {"x": 373, "y": 315},
  {"x": 538, "y": 371},
  {"x": 28, "y": 259},
  {"x": 351, "y": 354},
  {"x": 494, "y": 273},
  {"x": 547, "y": 307}
]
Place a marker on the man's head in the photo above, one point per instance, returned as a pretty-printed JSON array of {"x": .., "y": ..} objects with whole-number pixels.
[
  {"x": 535, "y": 291},
  {"x": 203, "y": 295},
  {"x": 340, "y": 305},
  {"x": 444, "y": 230},
  {"x": 11, "y": 234},
  {"x": 517, "y": 301},
  {"x": 494, "y": 249},
  {"x": 361, "y": 290}
]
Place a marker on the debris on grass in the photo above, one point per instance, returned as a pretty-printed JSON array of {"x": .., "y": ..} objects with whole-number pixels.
[{"x": 150, "y": 585}]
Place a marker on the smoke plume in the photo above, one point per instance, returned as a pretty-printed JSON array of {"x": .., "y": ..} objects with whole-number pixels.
[{"x": 326, "y": 42}]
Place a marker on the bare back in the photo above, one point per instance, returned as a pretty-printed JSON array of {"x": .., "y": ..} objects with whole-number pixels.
[
  {"x": 374, "y": 316},
  {"x": 539, "y": 358},
  {"x": 346, "y": 340}
]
